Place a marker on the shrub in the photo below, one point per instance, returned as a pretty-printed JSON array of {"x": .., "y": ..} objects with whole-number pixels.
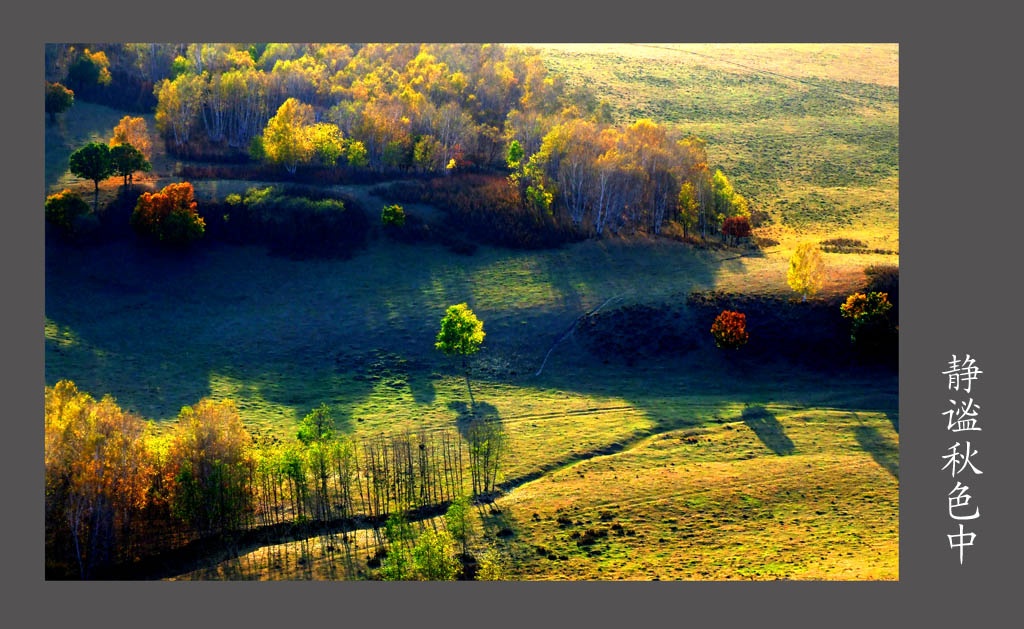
[
  {"x": 730, "y": 330},
  {"x": 859, "y": 305},
  {"x": 872, "y": 328},
  {"x": 393, "y": 215},
  {"x": 292, "y": 222},
  {"x": 169, "y": 216},
  {"x": 68, "y": 212}
]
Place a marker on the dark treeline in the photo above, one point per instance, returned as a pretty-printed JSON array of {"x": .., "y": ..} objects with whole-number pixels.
[
  {"x": 487, "y": 208},
  {"x": 118, "y": 490}
]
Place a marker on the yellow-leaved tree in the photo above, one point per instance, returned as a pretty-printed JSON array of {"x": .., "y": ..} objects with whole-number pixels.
[
  {"x": 285, "y": 139},
  {"x": 133, "y": 131},
  {"x": 806, "y": 270}
]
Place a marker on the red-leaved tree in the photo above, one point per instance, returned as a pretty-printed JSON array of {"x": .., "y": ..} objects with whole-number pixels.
[
  {"x": 730, "y": 330},
  {"x": 736, "y": 227}
]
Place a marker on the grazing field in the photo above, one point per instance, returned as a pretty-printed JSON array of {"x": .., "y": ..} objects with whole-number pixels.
[
  {"x": 773, "y": 491},
  {"x": 698, "y": 464},
  {"x": 809, "y": 131}
]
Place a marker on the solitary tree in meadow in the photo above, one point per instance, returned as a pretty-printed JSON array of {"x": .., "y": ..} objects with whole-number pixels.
[
  {"x": 461, "y": 335},
  {"x": 806, "y": 270},
  {"x": 92, "y": 162}
]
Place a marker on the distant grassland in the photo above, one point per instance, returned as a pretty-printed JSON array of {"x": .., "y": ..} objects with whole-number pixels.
[{"x": 810, "y": 132}]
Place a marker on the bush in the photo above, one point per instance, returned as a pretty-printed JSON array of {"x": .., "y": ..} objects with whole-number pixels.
[
  {"x": 169, "y": 216},
  {"x": 392, "y": 216},
  {"x": 730, "y": 330},
  {"x": 871, "y": 329},
  {"x": 69, "y": 213},
  {"x": 292, "y": 222}
]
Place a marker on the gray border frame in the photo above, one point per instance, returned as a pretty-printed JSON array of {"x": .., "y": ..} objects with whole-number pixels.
[{"x": 959, "y": 160}]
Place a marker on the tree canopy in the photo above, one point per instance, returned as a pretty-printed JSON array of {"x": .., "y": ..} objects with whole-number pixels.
[
  {"x": 133, "y": 131},
  {"x": 58, "y": 99},
  {"x": 125, "y": 160},
  {"x": 461, "y": 335},
  {"x": 806, "y": 272}
]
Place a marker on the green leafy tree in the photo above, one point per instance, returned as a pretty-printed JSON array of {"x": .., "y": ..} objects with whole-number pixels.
[
  {"x": 125, "y": 160},
  {"x": 69, "y": 213},
  {"x": 434, "y": 557},
  {"x": 514, "y": 156},
  {"x": 89, "y": 71},
  {"x": 459, "y": 523},
  {"x": 689, "y": 207},
  {"x": 397, "y": 564},
  {"x": 461, "y": 335},
  {"x": 727, "y": 202},
  {"x": 58, "y": 100},
  {"x": 92, "y": 162},
  {"x": 318, "y": 425}
]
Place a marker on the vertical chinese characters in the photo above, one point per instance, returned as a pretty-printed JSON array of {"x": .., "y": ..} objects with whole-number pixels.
[{"x": 961, "y": 417}]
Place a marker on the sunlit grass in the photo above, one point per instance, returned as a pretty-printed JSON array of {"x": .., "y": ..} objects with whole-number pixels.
[{"x": 808, "y": 131}]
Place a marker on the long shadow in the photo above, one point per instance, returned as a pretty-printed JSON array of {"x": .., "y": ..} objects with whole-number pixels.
[
  {"x": 481, "y": 412},
  {"x": 894, "y": 419},
  {"x": 880, "y": 448},
  {"x": 422, "y": 388},
  {"x": 768, "y": 430}
]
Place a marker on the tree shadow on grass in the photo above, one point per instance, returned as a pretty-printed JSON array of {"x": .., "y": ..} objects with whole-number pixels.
[
  {"x": 768, "y": 430},
  {"x": 894, "y": 419},
  {"x": 481, "y": 412},
  {"x": 881, "y": 449},
  {"x": 422, "y": 389}
]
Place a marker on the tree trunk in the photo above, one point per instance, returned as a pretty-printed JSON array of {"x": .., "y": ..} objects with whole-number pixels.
[
  {"x": 472, "y": 402},
  {"x": 96, "y": 197}
]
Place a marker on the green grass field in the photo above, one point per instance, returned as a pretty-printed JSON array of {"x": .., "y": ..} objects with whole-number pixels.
[
  {"x": 697, "y": 467},
  {"x": 809, "y": 131}
]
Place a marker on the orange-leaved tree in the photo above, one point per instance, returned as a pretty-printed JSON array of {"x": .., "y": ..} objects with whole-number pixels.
[
  {"x": 169, "y": 216},
  {"x": 730, "y": 330}
]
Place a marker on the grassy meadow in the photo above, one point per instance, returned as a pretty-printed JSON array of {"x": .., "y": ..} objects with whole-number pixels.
[
  {"x": 809, "y": 131},
  {"x": 696, "y": 466}
]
